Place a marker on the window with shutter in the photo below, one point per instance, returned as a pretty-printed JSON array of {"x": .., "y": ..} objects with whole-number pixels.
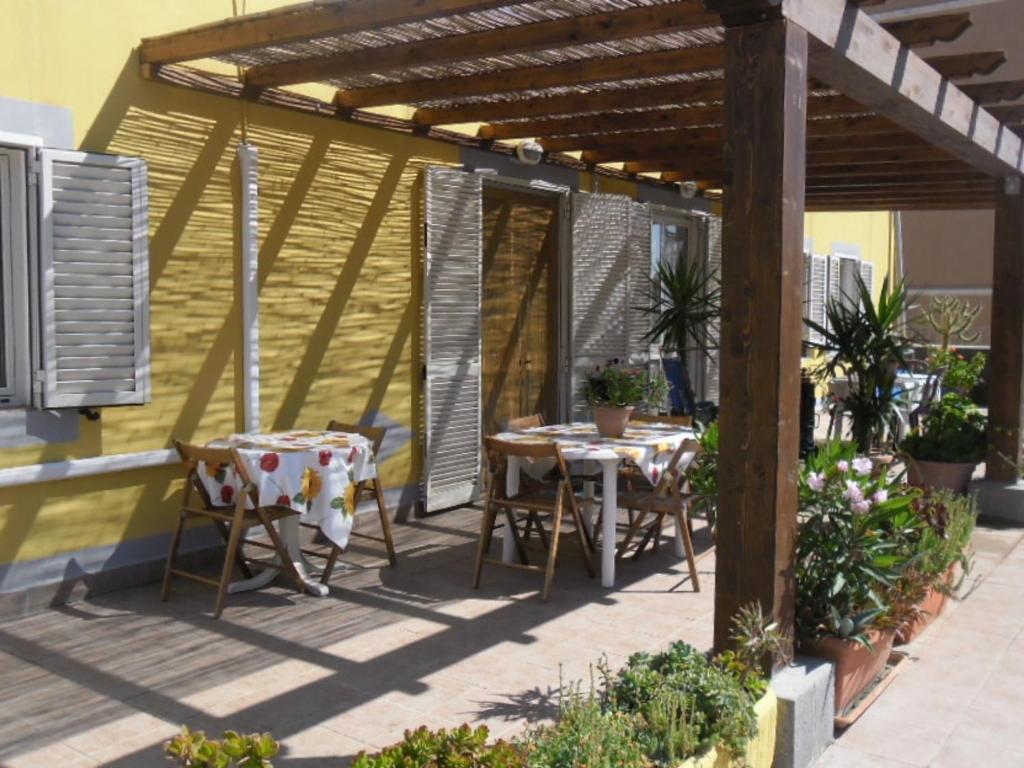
[
  {"x": 818, "y": 298},
  {"x": 713, "y": 238},
  {"x": 453, "y": 257},
  {"x": 639, "y": 279},
  {"x": 94, "y": 279},
  {"x": 600, "y": 266},
  {"x": 867, "y": 274},
  {"x": 14, "y": 317}
]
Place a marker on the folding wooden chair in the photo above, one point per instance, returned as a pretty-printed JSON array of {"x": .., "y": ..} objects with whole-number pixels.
[
  {"x": 533, "y": 523},
  {"x": 376, "y": 437},
  {"x": 555, "y": 504},
  {"x": 232, "y": 520},
  {"x": 669, "y": 496}
]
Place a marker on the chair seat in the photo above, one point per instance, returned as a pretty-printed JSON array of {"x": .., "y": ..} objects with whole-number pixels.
[
  {"x": 643, "y": 500},
  {"x": 273, "y": 511},
  {"x": 541, "y": 500}
]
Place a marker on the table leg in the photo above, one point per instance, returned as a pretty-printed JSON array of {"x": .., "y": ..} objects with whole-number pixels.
[
  {"x": 289, "y": 529},
  {"x": 609, "y": 512},
  {"x": 508, "y": 543},
  {"x": 589, "y": 508}
]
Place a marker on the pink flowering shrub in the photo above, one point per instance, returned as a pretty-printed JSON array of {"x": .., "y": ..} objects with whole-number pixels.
[{"x": 856, "y": 536}]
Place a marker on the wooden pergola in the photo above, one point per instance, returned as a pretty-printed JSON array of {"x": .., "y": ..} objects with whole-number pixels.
[{"x": 785, "y": 105}]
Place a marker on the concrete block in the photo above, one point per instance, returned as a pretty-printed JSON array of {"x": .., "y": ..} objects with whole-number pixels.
[
  {"x": 999, "y": 500},
  {"x": 806, "y": 691}
]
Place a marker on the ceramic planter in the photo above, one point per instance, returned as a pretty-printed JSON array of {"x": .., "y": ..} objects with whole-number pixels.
[
  {"x": 953, "y": 476},
  {"x": 929, "y": 609},
  {"x": 611, "y": 422},
  {"x": 760, "y": 752},
  {"x": 856, "y": 666}
]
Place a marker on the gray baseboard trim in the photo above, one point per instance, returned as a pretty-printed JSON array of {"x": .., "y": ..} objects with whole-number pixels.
[{"x": 1001, "y": 501}]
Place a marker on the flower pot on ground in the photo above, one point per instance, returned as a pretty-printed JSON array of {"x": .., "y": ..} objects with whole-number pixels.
[
  {"x": 613, "y": 391},
  {"x": 927, "y": 611},
  {"x": 944, "y": 450},
  {"x": 856, "y": 663},
  {"x": 941, "y": 475}
]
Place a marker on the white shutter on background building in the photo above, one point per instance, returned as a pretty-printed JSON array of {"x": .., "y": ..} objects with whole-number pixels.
[
  {"x": 600, "y": 268},
  {"x": 835, "y": 292},
  {"x": 818, "y": 295},
  {"x": 452, "y": 296},
  {"x": 638, "y": 322},
  {"x": 867, "y": 274},
  {"x": 714, "y": 267},
  {"x": 94, "y": 280}
]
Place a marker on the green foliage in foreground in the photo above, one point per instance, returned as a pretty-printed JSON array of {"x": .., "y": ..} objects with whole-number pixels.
[
  {"x": 462, "y": 747},
  {"x": 194, "y": 750}
]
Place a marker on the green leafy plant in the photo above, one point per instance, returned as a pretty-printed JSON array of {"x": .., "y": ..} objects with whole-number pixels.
[
  {"x": 953, "y": 430},
  {"x": 863, "y": 340},
  {"x": 193, "y": 749},
  {"x": 586, "y": 734},
  {"x": 686, "y": 704},
  {"x": 462, "y": 747},
  {"x": 683, "y": 300},
  {"x": 855, "y": 538},
  {"x": 703, "y": 474},
  {"x": 757, "y": 642},
  {"x": 619, "y": 386}
]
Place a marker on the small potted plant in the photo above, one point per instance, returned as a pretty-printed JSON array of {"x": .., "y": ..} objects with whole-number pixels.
[
  {"x": 614, "y": 391},
  {"x": 856, "y": 529},
  {"x": 944, "y": 450},
  {"x": 940, "y": 549}
]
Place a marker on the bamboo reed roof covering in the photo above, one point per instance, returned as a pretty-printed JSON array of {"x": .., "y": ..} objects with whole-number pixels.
[{"x": 619, "y": 86}]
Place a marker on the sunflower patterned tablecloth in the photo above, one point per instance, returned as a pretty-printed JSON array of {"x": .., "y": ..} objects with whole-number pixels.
[
  {"x": 648, "y": 446},
  {"x": 314, "y": 473}
]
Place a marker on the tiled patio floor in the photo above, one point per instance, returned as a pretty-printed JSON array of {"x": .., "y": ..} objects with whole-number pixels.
[
  {"x": 105, "y": 682},
  {"x": 958, "y": 703}
]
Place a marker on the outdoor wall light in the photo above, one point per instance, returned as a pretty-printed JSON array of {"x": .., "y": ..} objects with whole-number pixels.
[
  {"x": 529, "y": 152},
  {"x": 689, "y": 189}
]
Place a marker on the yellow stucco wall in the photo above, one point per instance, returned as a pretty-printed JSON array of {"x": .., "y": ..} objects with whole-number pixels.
[
  {"x": 338, "y": 247},
  {"x": 872, "y": 231}
]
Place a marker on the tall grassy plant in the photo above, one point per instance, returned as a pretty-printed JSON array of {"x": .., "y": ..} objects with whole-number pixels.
[
  {"x": 683, "y": 299},
  {"x": 865, "y": 342}
]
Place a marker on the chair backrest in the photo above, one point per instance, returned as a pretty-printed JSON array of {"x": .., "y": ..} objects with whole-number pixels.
[
  {"x": 524, "y": 423},
  {"x": 498, "y": 452},
  {"x": 374, "y": 434},
  {"x": 194, "y": 455},
  {"x": 672, "y": 473},
  {"x": 647, "y": 418}
]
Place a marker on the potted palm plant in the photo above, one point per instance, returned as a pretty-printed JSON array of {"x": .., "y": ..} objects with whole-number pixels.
[
  {"x": 684, "y": 299},
  {"x": 863, "y": 340}
]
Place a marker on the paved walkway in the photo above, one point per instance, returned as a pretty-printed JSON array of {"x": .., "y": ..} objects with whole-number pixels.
[
  {"x": 958, "y": 704},
  {"x": 107, "y": 681}
]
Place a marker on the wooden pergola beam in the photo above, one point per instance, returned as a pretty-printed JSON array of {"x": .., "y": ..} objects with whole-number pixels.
[
  {"x": 993, "y": 93},
  {"x": 842, "y": 153},
  {"x": 929, "y": 30},
  {"x": 964, "y": 65},
  {"x": 852, "y": 53},
  {"x": 296, "y": 23},
  {"x": 678, "y": 16},
  {"x": 692, "y": 91},
  {"x": 583, "y": 72}
]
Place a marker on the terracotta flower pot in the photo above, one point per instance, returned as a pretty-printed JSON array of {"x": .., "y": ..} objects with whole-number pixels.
[
  {"x": 611, "y": 422},
  {"x": 856, "y": 666},
  {"x": 928, "y": 610},
  {"x": 953, "y": 476}
]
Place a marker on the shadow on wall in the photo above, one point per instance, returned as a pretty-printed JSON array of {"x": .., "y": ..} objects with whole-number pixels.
[{"x": 338, "y": 236}]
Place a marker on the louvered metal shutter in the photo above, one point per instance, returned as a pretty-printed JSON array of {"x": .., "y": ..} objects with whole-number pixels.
[
  {"x": 451, "y": 327},
  {"x": 600, "y": 266},
  {"x": 713, "y": 238},
  {"x": 867, "y": 274},
  {"x": 818, "y": 295},
  {"x": 834, "y": 292},
  {"x": 638, "y": 279},
  {"x": 94, "y": 279}
]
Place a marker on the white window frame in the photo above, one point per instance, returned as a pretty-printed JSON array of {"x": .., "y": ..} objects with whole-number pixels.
[{"x": 14, "y": 239}]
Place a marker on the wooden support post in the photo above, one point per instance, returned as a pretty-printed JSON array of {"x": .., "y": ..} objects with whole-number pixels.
[
  {"x": 1006, "y": 381},
  {"x": 762, "y": 282}
]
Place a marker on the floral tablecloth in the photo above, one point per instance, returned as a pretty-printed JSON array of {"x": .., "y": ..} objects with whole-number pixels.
[
  {"x": 314, "y": 473},
  {"x": 648, "y": 446}
]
